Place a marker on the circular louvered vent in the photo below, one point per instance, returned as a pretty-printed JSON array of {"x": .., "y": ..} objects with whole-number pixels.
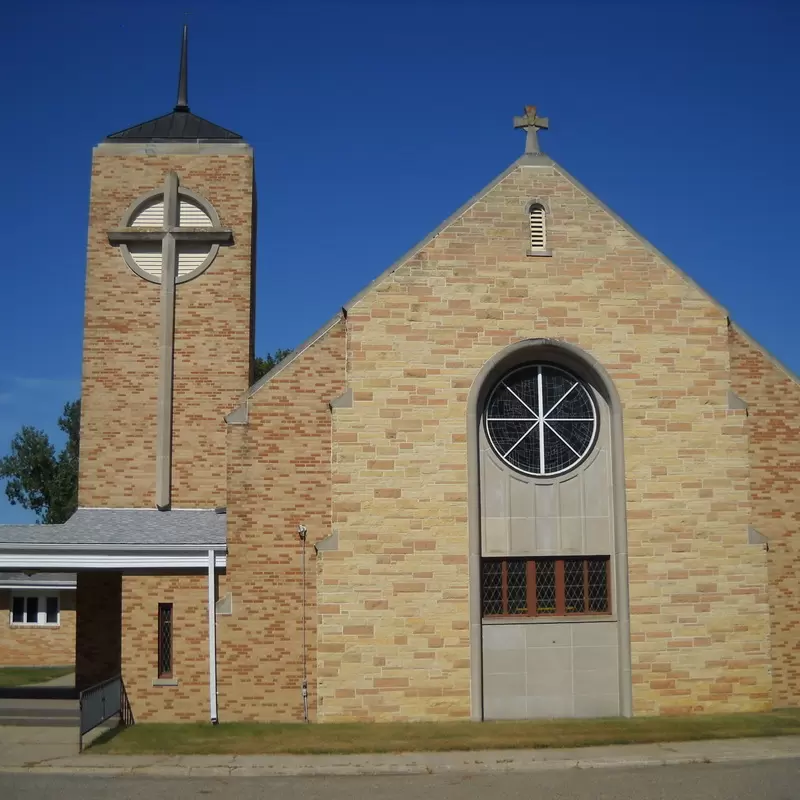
[
  {"x": 541, "y": 420},
  {"x": 189, "y": 256}
]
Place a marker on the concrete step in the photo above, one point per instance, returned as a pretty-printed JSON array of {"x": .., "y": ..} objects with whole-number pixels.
[
  {"x": 64, "y": 713},
  {"x": 40, "y": 692},
  {"x": 39, "y": 713},
  {"x": 40, "y": 722}
]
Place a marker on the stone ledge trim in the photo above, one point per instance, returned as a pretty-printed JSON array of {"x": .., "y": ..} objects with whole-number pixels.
[
  {"x": 343, "y": 400},
  {"x": 330, "y": 542},
  {"x": 224, "y": 606},
  {"x": 735, "y": 403},
  {"x": 755, "y": 537},
  {"x": 539, "y": 253}
]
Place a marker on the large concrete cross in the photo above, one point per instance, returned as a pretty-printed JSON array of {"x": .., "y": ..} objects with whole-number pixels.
[
  {"x": 530, "y": 123},
  {"x": 171, "y": 234}
]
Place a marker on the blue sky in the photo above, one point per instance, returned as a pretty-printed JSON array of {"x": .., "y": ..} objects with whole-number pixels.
[{"x": 373, "y": 121}]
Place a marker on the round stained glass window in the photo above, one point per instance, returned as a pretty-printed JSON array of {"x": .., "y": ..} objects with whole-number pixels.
[{"x": 541, "y": 420}]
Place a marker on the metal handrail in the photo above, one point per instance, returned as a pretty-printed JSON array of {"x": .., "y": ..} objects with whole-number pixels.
[{"x": 99, "y": 703}]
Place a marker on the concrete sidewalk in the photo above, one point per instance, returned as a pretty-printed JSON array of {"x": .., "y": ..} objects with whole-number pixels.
[
  {"x": 48, "y": 704},
  {"x": 65, "y": 681},
  {"x": 41, "y": 757}
]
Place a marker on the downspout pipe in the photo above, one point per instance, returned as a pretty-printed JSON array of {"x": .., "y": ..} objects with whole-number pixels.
[{"x": 212, "y": 639}]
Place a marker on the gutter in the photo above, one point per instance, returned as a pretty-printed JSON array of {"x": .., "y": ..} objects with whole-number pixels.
[
  {"x": 101, "y": 546},
  {"x": 50, "y": 586},
  {"x": 212, "y": 638}
]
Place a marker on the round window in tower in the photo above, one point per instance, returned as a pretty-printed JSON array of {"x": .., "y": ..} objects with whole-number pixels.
[{"x": 541, "y": 420}]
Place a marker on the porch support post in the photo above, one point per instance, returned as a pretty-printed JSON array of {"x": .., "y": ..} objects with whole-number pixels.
[{"x": 212, "y": 638}]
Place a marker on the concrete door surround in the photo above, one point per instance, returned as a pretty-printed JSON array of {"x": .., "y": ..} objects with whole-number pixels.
[{"x": 589, "y": 369}]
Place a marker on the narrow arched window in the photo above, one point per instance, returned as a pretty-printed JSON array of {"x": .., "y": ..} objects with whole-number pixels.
[{"x": 538, "y": 230}]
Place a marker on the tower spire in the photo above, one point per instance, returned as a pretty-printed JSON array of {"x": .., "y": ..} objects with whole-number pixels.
[{"x": 183, "y": 74}]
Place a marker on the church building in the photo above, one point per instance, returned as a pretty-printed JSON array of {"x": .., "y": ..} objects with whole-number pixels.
[{"x": 531, "y": 470}]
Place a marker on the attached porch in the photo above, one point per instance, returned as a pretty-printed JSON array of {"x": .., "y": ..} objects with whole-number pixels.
[{"x": 145, "y": 600}]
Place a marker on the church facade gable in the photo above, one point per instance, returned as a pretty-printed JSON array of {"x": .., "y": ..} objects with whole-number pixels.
[{"x": 417, "y": 339}]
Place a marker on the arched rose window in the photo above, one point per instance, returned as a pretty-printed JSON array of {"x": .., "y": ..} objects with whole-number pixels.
[{"x": 541, "y": 420}]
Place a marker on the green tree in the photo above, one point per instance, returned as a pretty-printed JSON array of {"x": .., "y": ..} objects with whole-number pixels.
[
  {"x": 263, "y": 365},
  {"x": 37, "y": 478}
]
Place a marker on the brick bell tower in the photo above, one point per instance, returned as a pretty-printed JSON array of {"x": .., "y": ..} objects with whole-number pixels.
[{"x": 168, "y": 326}]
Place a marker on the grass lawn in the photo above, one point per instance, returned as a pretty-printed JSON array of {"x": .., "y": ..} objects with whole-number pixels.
[
  {"x": 11, "y": 677},
  {"x": 262, "y": 739}
]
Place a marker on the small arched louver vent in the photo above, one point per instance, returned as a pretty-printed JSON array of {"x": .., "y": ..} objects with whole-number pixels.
[{"x": 538, "y": 232}]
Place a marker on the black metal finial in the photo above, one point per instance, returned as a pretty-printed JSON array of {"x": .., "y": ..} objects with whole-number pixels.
[{"x": 183, "y": 74}]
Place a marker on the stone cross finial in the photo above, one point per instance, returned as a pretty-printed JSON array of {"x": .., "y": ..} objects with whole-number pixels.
[{"x": 531, "y": 124}]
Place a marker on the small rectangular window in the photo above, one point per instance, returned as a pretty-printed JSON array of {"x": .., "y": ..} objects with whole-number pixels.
[
  {"x": 492, "y": 587},
  {"x": 517, "y": 586},
  {"x": 31, "y": 610},
  {"x": 512, "y": 587},
  {"x": 35, "y": 609},
  {"x": 597, "y": 586},
  {"x": 52, "y": 610},
  {"x": 165, "y": 640},
  {"x": 545, "y": 576}
]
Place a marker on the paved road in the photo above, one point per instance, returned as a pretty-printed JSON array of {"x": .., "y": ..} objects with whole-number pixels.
[{"x": 770, "y": 780}]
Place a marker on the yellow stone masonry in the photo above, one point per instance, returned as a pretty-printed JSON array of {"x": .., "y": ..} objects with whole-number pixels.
[
  {"x": 393, "y": 600},
  {"x": 383, "y": 471}
]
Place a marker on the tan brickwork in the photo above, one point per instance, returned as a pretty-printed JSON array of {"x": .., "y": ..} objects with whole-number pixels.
[
  {"x": 393, "y": 600},
  {"x": 212, "y": 363},
  {"x": 773, "y": 422},
  {"x": 120, "y": 362},
  {"x": 188, "y": 701},
  {"x": 38, "y": 646},
  {"x": 279, "y": 476},
  {"x": 387, "y": 617}
]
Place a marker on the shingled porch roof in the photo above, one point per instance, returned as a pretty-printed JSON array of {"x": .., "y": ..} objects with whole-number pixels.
[{"x": 118, "y": 538}]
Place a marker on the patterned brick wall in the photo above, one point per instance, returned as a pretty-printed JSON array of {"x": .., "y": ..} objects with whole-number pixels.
[
  {"x": 212, "y": 338},
  {"x": 24, "y": 645},
  {"x": 188, "y": 700},
  {"x": 387, "y": 613},
  {"x": 279, "y": 476},
  {"x": 393, "y": 622},
  {"x": 98, "y": 603},
  {"x": 213, "y": 349},
  {"x": 773, "y": 407}
]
